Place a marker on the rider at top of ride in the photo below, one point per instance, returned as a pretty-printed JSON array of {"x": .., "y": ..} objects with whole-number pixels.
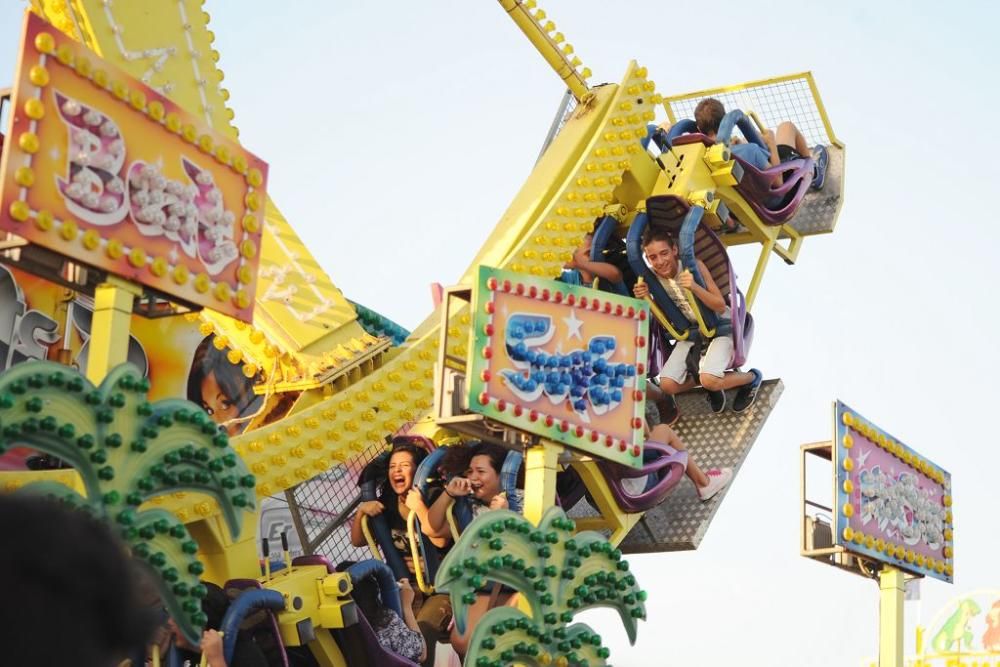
[
  {"x": 784, "y": 145},
  {"x": 661, "y": 249}
]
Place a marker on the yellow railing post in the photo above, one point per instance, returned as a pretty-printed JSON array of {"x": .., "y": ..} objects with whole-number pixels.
[
  {"x": 891, "y": 583},
  {"x": 109, "y": 332},
  {"x": 541, "y": 463}
]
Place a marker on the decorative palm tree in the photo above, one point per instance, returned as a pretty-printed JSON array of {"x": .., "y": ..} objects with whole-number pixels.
[
  {"x": 128, "y": 450},
  {"x": 557, "y": 573}
]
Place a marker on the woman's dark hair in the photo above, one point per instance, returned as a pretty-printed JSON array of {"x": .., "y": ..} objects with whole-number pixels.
[
  {"x": 369, "y": 600},
  {"x": 74, "y": 593},
  {"x": 209, "y": 360}
]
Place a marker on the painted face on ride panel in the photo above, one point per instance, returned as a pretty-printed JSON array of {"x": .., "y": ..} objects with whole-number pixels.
[
  {"x": 218, "y": 405},
  {"x": 663, "y": 258},
  {"x": 401, "y": 471},
  {"x": 485, "y": 480}
]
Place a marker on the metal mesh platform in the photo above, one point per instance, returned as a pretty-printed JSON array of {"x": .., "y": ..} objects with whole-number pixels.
[
  {"x": 325, "y": 504},
  {"x": 819, "y": 209},
  {"x": 679, "y": 523}
]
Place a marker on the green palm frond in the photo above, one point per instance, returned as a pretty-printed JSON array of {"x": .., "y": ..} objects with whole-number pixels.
[
  {"x": 127, "y": 451},
  {"x": 558, "y": 574}
]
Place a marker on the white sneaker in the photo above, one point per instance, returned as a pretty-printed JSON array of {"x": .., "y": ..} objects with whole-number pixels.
[{"x": 717, "y": 480}]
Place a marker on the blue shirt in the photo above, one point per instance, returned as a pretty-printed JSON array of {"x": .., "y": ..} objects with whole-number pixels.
[{"x": 752, "y": 153}]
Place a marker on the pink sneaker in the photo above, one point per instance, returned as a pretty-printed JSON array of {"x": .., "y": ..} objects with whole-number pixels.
[{"x": 717, "y": 480}]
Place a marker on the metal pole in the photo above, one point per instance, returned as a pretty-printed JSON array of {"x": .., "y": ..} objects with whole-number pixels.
[{"x": 891, "y": 583}]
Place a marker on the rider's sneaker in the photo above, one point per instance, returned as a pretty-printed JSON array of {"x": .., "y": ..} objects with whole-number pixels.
[
  {"x": 716, "y": 400},
  {"x": 747, "y": 394},
  {"x": 717, "y": 480},
  {"x": 669, "y": 412},
  {"x": 821, "y": 159}
]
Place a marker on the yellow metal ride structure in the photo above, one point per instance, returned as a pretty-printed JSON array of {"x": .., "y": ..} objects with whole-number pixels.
[{"x": 352, "y": 388}]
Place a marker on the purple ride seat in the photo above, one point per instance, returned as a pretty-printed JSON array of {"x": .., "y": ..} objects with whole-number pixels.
[
  {"x": 662, "y": 464},
  {"x": 774, "y": 204},
  {"x": 273, "y": 646},
  {"x": 370, "y": 648}
]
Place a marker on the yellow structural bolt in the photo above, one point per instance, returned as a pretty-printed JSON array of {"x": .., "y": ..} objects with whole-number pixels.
[
  {"x": 242, "y": 299},
  {"x": 248, "y": 249},
  {"x": 221, "y": 291},
  {"x": 24, "y": 176},
  {"x": 69, "y": 231},
  {"x": 100, "y": 78},
  {"x": 848, "y": 486},
  {"x": 19, "y": 210},
  {"x": 34, "y": 109},
  {"x": 115, "y": 249},
  {"x": 251, "y": 223},
  {"x": 44, "y": 42},
  {"x": 173, "y": 122},
  {"x": 848, "y": 441},
  {"x": 91, "y": 239},
  {"x": 137, "y": 99},
  {"x": 156, "y": 110},
  {"x": 205, "y": 143},
  {"x": 848, "y": 464},
  {"x": 180, "y": 274},
  {"x": 202, "y": 283},
  {"x": 119, "y": 90},
  {"x": 848, "y": 534},
  {"x": 137, "y": 257},
  {"x": 245, "y": 275},
  {"x": 159, "y": 267},
  {"x": 28, "y": 141},
  {"x": 64, "y": 54},
  {"x": 255, "y": 178},
  {"x": 240, "y": 164},
  {"x": 848, "y": 510},
  {"x": 44, "y": 221},
  {"x": 38, "y": 75}
]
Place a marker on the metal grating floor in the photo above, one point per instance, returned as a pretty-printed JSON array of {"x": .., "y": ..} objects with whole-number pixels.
[{"x": 680, "y": 522}]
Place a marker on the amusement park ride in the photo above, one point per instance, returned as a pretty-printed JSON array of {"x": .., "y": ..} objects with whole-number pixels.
[{"x": 133, "y": 216}]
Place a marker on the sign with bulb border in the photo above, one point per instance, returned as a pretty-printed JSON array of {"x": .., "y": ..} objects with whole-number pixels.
[
  {"x": 563, "y": 362},
  {"x": 893, "y": 505},
  {"x": 104, "y": 170}
]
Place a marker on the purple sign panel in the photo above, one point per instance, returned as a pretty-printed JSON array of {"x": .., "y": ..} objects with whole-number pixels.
[{"x": 893, "y": 505}]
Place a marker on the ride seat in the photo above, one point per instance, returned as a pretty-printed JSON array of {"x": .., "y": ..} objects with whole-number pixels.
[
  {"x": 252, "y": 611},
  {"x": 358, "y": 642},
  {"x": 663, "y": 467},
  {"x": 695, "y": 240}
]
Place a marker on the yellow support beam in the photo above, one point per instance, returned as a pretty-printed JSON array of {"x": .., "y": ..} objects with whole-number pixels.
[
  {"x": 109, "y": 333},
  {"x": 891, "y": 584},
  {"x": 541, "y": 464},
  {"x": 557, "y": 57}
]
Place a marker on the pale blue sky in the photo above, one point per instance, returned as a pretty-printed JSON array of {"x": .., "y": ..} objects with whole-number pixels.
[{"x": 397, "y": 133}]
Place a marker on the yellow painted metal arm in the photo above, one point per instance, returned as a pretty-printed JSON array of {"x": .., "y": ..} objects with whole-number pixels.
[
  {"x": 418, "y": 570},
  {"x": 702, "y": 327},
  {"x": 452, "y": 524},
  {"x": 557, "y": 58},
  {"x": 372, "y": 544},
  {"x": 662, "y": 318}
]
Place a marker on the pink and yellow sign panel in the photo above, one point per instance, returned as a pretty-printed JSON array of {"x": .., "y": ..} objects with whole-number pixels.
[
  {"x": 893, "y": 505},
  {"x": 108, "y": 172},
  {"x": 563, "y": 362}
]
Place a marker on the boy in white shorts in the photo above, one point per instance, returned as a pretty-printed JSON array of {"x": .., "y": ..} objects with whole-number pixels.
[{"x": 660, "y": 249}]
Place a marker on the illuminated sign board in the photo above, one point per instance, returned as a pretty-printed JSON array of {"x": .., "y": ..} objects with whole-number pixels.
[
  {"x": 106, "y": 171},
  {"x": 893, "y": 505},
  {"x": 563, "y": 362}
]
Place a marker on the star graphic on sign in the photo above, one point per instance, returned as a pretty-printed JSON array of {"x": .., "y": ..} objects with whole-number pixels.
[
  {"x": 574, "y": 325},
  {"x": 862, "y": 457}
]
